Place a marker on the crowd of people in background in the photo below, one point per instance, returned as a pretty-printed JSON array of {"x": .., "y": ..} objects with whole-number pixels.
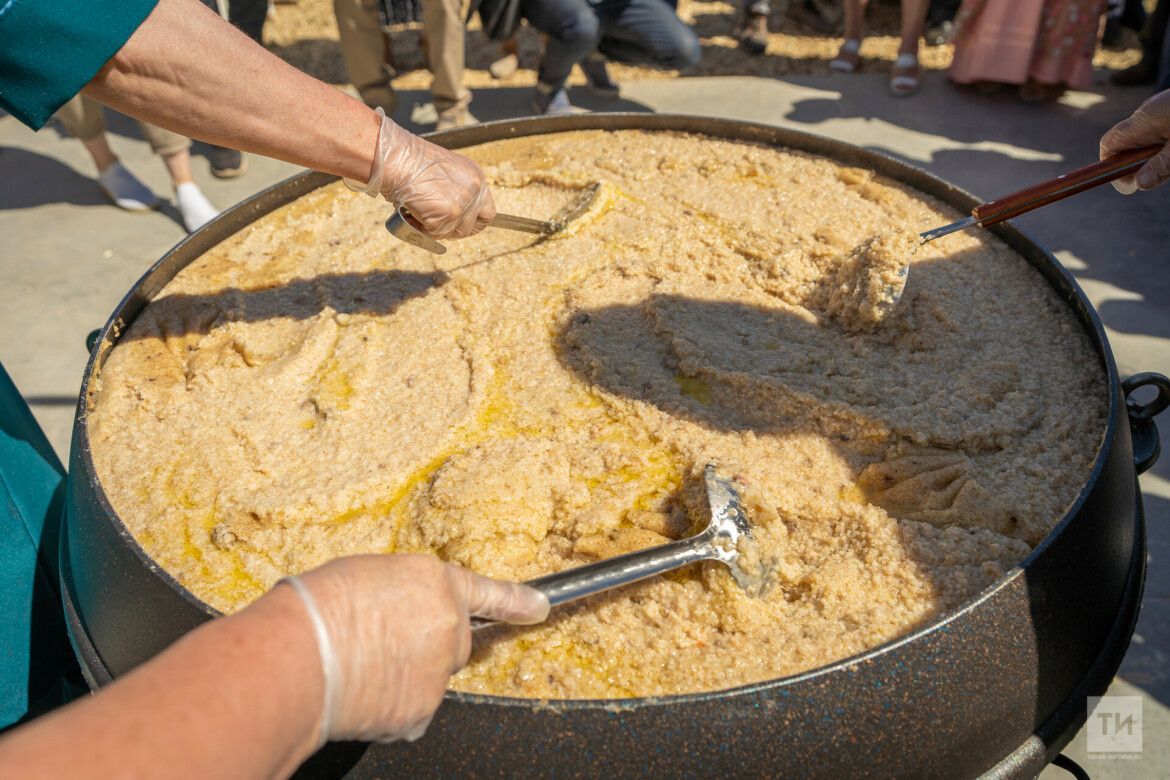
[{"x": 1037, "y": 47}]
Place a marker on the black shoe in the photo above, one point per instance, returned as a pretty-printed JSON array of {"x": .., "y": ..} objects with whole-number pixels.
[
  {"x": 753, "y": 34},
  {"x": 597, "y": 77},
  {"x": 225, "y": 163},
  {"x": 1134, "y": 76}
]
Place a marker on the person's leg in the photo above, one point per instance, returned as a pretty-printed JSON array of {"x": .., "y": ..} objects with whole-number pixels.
[
  {"x": 363, "y": 47},
  {"x": 849, "y": 55},
  {"x": 443, "y": 22},
  {"x": 753, "y": 29},
  {"x": 646, "y": 32},
  {"x": 82, "y": 118},
  {"x": 1157, "y": 26},
  {"x": 573, "y": 31},
  {"x": 175, "y": 151},
  {"x": 249, "y": 16},
  {"x": 1164, "y": 54},
  {"x": 179, "y": 167},
  {"x": 509, "y": 61},
  {"x": 905, "y": 74},
  {"x": 913, "y": 20},
  {"x": 854, "y": 11},
  {"x": 99, "y": 150}
]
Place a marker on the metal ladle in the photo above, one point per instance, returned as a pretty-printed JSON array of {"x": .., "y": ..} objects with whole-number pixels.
[
  {"x": 1029, "y": 199},
  {"x": 403, "y": 226},
  {"x": 718, "y": 541}
]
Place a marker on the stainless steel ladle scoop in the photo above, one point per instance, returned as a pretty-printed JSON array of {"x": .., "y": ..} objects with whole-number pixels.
[
  {"x": 402, "y": 226},
  {"x": 719, "y": 541},
  {"x": 1028, "y": 199}
]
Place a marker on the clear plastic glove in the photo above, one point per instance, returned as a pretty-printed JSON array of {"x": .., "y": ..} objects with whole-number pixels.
[
  {"x": 1149, "y": 125},
  {"x": 392, "y": 629},
  {"x": 445, "y": 192}
]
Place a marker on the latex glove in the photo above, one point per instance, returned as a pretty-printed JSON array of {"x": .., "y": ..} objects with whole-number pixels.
[
  {"x": 445, "y": 192},
  {"x": 1150, "y": 124},
  {"x": 395, "y": 629}
]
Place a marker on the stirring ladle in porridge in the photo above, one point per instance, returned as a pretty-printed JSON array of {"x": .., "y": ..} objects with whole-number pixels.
[
  {"x": 725, "y": 538},
  {"x": 887, "y": 285},
  {"x": 402, "y": 226}
]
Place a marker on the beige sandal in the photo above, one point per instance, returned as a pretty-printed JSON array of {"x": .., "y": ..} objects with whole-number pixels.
[
  {"x": 848, "y": 58},
  {"x": 904, "y": 81}
]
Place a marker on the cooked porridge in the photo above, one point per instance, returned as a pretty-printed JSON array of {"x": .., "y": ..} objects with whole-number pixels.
[{"x": 313, "y": 388}]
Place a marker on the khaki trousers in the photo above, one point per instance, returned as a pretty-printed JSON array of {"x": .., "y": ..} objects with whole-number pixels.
[
  {"x": 363, "y": 48},
  {"x": 82, "y": 118}
]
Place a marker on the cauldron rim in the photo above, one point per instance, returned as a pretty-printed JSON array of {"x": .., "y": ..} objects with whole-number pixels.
[{"x": 235, "y": 218}]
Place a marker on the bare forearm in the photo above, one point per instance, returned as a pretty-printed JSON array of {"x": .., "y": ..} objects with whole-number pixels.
[
  {"x": 239, "y": 697},
  {"x": 189, "y": 71}
]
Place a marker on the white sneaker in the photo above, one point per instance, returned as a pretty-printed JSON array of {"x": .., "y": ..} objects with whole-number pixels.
[
  {"x": 194, "y": 206},
  {"x": 125, "y": 190}
]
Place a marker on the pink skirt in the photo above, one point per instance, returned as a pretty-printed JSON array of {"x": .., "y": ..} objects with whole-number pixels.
[{"x": 1014, "y": 41}]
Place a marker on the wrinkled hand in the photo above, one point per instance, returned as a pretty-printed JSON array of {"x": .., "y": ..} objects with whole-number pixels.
[
  {"x": 1149, "y": 125},
  {"x": 444, "y": 191},
  {"x": 398, "y": 629}
]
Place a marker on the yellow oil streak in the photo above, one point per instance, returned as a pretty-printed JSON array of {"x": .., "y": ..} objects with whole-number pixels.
[{"x": 695, "y": 388}]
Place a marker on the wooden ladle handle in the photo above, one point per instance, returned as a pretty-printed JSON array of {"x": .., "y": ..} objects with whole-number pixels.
[{"x": 1063, "y": 186}]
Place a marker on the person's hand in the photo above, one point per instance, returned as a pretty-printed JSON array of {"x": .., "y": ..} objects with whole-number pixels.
[
  {"x": 445, "y": 192},
  {"x": 1149, "y": 125},
  {"x": 396, "y": 628}
]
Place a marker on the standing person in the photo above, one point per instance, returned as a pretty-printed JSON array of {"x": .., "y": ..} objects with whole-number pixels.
[
  {"x": 904, "y": 78},
  {"x": 1041, "y": 46},
  {"x": 363, "y": 46},
  {"x": 586, "y": 32},
  {"x": 82, "y": 118}
]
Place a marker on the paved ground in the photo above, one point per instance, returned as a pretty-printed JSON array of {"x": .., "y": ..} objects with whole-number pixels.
[{"x": 66, "y": 257}]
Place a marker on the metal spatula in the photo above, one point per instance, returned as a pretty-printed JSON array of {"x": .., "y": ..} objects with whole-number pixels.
[
  {"x": 1031, "y": 198},
  {"x": 402, "y": 226},
  {"x": 718, "y": 541}
]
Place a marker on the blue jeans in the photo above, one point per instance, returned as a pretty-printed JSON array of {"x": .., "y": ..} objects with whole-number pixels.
[{"x": 633, "y": 31}]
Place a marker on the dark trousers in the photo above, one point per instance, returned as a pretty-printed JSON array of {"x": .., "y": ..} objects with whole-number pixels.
[
  {"x": 247, "y": 15},
  {"x": 633, "y": 31},
  {"x": 1155, "y": 43}
]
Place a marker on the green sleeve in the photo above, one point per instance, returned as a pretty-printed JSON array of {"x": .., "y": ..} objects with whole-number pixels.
[{"x": 50, "y": 49}]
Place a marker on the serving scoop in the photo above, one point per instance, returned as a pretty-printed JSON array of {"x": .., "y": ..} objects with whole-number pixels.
[
  {"x": 1029, "y": 199},
  {"x": 403, "y": 226},
  {"x": 719, "y": 541}
]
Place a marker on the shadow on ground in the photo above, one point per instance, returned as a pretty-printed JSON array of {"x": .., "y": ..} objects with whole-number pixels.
[{"x": 43, "y": 180}]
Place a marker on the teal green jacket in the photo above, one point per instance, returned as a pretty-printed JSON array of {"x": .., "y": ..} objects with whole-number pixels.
[
  {"x": 50, "y": 49},
  {"x": 37, "y": 668}
]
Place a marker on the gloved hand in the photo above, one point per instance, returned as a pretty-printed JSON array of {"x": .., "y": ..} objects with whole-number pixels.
[
  {"x": 445, "y": 192},
  {"x": 392, "y": 629},
  {"x": 1150, "y": 124}
]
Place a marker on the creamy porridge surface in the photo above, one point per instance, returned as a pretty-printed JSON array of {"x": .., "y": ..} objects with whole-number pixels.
[{"x": 312, "y": 388}]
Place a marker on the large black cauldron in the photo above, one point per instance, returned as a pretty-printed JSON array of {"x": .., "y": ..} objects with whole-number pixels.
[{"x": 997, "y": 687}]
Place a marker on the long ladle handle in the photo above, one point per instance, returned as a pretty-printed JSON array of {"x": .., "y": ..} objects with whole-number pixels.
[
  {"x": 1063, "y": 186},
  {"x": 581, "y": 581}
]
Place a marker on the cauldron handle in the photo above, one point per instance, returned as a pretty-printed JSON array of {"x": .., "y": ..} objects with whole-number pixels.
[{"x": 1147, "y": 446}]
